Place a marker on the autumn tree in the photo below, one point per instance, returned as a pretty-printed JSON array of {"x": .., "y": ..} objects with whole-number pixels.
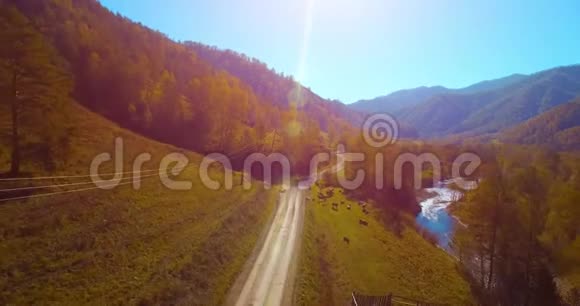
[
  {"x": 33, "y": 84},
  {"x": 507, "y": 219}
]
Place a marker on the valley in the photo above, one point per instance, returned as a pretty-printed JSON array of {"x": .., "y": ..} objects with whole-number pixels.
[{"x": 99, "y": 111}]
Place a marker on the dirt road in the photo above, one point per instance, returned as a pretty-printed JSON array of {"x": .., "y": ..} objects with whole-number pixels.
[{"x": 270, "y": 279}]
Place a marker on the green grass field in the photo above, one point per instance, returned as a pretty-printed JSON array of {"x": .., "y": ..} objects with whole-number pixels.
[
  {"x": 374, "y": 262},
  {"x": 125, "y": 246}
]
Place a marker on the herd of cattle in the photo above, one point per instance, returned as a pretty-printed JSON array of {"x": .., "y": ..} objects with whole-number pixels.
[{"x": 335, "y": 205}]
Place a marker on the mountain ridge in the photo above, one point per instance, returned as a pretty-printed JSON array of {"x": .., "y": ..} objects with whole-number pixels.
[
  {"x": 413, "y": 96},
  {"x": 485, "y": 107}
]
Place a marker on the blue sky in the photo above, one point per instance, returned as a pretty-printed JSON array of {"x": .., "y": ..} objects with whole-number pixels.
[{"x": 355, "y": 49}]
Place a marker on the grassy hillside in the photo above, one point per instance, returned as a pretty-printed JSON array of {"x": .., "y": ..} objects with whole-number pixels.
[
  {"x": 374, "y": 262},
  {"x": 122, "y": 246}
]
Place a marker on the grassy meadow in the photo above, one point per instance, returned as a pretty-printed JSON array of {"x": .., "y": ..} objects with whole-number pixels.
[{"x": 374, "y": 261}]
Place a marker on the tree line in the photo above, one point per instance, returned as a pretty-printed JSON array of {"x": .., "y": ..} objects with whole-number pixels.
[{"x": 521, "y": 230}]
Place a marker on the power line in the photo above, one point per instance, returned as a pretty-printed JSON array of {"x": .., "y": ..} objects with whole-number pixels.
[
  {"x": 70, "y": 184},
  {"x": 99, "y": 174},
  {"x": 84, "y": 183},
  {"x": 63, "y": 192},
  {"x": 76, "y": 176},
  {"x": 75, "y": 190},
  {"x": 71, "y": 176}
]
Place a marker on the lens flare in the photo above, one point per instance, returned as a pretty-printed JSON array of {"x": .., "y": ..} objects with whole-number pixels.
[{"x": 296, "y": 93}]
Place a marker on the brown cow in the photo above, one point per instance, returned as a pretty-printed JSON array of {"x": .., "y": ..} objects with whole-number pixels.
[
  {"x": 363, "y": 222},
  {"x": 346, "y": 240}
]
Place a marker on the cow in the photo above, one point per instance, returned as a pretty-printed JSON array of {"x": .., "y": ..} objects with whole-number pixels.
[
  {"x": 346, "y": 240},
  {"x": 348, "y": 207},
  {"x": 363, "y": 222}
]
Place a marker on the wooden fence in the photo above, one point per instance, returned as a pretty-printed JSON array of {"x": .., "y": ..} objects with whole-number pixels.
[{"x": 386, "y": 300}]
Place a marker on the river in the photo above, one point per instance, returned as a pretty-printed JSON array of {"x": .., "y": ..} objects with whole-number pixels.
[{"x": 434, "y": 216}]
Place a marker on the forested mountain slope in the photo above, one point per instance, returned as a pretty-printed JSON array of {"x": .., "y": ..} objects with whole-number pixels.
[
  {"x": 491, "y": 111},
  {"x": 558, "y": 127},
  {"x": 482, "y": 108},
  {"x": 162, "y": 89},
  {"x": 277, "y": 88}
]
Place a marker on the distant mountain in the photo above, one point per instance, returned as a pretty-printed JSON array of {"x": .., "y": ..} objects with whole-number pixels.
[
  {"x": 398, "y": 100},
  {"x": 492, "y": 110},
  {"x": 492, "y": 84},
  {"x": 559, "y": 127}
]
